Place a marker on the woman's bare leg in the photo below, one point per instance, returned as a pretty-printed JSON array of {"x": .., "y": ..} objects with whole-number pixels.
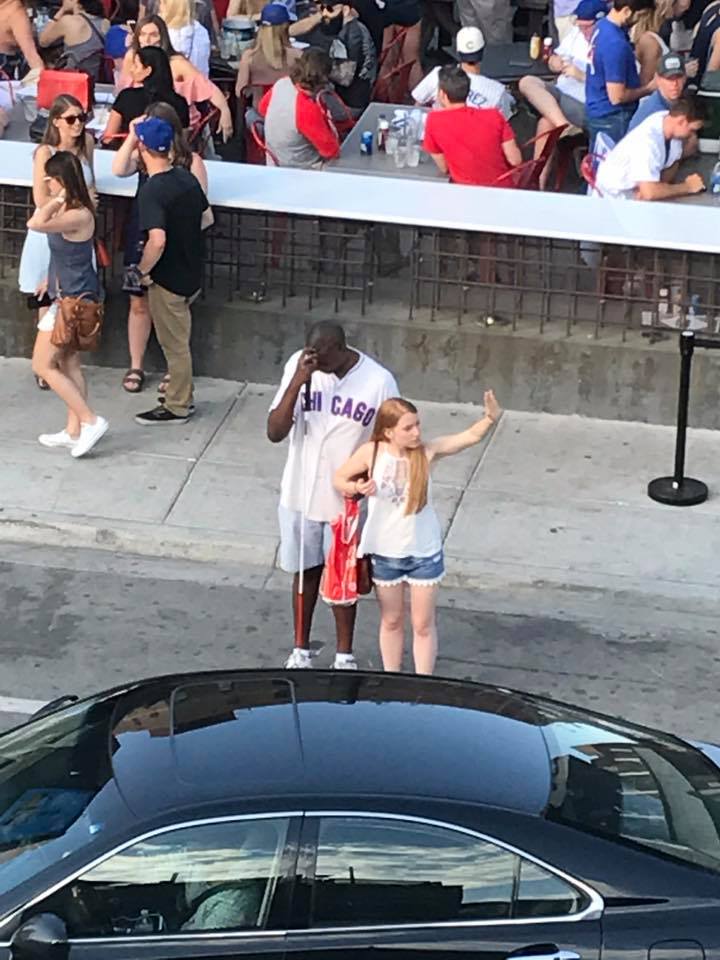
[
  {"x": 71, "y": 366},
  {"x": 392, "y": 623},
  {"x": 46, "y": 363},
  {"x": 423, "y": 601}
]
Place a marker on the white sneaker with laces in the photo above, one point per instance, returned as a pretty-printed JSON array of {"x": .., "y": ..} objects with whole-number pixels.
[
  {"x": 61, "y": 439},
  {"x": 90, "y": 433},
  {"x": 299, "y": 659},
  {"x": 345, "y": 661}
]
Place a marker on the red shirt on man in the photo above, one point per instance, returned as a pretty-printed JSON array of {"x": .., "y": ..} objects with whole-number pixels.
[{"x": 471, "y": 141}]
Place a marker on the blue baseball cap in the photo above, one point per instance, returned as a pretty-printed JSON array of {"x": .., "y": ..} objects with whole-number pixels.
[
  {"x": 116, "y": 41},
  {"x": 155, "y": 134},
  {"x": 274, "y": 14},
  {"x": 591, "y": 9}
]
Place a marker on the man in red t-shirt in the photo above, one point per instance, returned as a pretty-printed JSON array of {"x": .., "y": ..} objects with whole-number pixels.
[{"x": 473, "y": 146}]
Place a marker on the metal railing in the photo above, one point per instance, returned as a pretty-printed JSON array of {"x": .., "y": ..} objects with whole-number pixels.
[{"x": 528, "y": 284}]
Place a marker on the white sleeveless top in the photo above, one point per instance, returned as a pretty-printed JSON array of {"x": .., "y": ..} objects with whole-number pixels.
[{"x": 388, "y": 531}]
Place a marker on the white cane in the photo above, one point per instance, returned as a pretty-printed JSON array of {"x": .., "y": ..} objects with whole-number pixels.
[{"x": 300, "y": 604}]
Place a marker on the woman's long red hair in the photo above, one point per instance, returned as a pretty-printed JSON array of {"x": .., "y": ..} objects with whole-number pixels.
[{"x": 387, "y": 418}]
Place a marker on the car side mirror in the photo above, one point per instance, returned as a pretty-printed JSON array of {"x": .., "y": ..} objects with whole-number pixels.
[{"x": 42, "y": 937}]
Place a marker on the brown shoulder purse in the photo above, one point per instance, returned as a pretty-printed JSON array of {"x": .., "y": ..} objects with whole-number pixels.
[
  {"x": 78, "y": 324},
  {"x": 364, "y": 564}
]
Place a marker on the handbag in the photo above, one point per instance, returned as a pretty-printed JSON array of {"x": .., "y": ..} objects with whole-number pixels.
[
  {"x": 74, "y": 82},
  {"x": 339, "y": 583},
  {"x": 78, "y": 324},
  {"x": 364, "y": 564}
]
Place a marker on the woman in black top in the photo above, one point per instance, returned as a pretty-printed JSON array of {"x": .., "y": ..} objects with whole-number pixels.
[{"x": 153, "y": 76}]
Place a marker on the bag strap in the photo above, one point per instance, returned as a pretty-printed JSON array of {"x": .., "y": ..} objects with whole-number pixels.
[
  {"x": 95, "y": 30},
  {"x": 374, "y": 458}
]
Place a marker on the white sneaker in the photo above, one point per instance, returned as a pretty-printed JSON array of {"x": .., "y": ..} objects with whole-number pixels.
[
  {"x": 90, "y": 433},
  {"x": 345, "y": 662},
  {"x": 298, "y": 660},
  {"x": 61, "y": 439}
]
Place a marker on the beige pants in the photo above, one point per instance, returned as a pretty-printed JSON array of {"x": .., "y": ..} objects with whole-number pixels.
[{"x": 173, "y": 323}]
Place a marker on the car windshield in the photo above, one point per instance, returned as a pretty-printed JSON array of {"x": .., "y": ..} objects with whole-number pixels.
[
  {"x": 634, "y": 786},
  {"x": 55, "y": 778}
]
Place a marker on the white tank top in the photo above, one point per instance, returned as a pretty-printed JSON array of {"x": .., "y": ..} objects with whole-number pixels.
[{"x": 388, "y": 530}]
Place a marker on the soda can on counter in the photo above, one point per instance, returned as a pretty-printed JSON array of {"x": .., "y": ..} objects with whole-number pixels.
[{"x": 366, "y": 143}]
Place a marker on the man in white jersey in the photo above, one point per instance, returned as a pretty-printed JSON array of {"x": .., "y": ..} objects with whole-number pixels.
[
  {"x": 484, "y": 92},
  {"x": 346, "y": 387}
]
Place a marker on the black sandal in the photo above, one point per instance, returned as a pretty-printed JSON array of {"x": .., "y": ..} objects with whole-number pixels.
[
  {"x": 42, "y": 384},
  {"x": 133, "y": 381}
]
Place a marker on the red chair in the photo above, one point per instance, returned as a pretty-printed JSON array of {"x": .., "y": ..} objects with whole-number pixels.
[
  {"x": 588, "y": 170},
  {"x": 551, "y": 138},
  {"x": 525, "y": 176},
  {"x": 393, "y": 50},
  {"x": 253, "y": 154},
  {"x": 203, "y": 129},
  {"x": 260, "y": 141},
  {"x": 394, "y": 87}
]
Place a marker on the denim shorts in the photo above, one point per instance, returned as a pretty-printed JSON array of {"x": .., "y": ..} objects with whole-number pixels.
[{"x": 417, "y": 571}]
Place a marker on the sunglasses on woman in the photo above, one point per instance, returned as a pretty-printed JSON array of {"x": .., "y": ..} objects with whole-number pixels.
[{"x": 74, "y": 118}]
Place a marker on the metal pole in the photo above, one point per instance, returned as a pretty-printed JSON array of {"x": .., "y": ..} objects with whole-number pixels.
[{"x": 679, "y": 490}]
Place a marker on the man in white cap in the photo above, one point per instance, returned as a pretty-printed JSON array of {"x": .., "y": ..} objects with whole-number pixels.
[{"x": 484, "y": 92}]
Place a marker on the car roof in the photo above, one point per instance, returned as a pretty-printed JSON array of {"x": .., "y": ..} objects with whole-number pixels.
[{"x": 206, "y": 738}]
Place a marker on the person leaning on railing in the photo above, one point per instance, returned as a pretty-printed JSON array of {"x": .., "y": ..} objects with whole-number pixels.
[
  {"x": 298, "y": 131},
  {"x": 643, "y": 165}
]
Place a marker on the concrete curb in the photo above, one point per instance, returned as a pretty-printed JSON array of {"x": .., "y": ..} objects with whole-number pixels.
[
  {"x": 142, "y": 539},
  {"x": 166, "y": 542}
]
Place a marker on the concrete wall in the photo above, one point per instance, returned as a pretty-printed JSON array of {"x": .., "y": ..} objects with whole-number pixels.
[{"x": 440, "y": 360}]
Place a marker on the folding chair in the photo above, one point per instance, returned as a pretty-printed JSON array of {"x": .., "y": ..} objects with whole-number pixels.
[
  {"x": 588, "y": 171},
  {"x": 525, "y": 176},
  {"x": 551, "y": 138},
  {"x": 257, "y": 135},
  {"x": 394, "y": 86},
  {"x": 394, "y": 48},
  {"x": 203, "y": 129}
]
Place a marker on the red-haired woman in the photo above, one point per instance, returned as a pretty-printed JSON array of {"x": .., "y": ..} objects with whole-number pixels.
[{"x": 402, "y": 534}]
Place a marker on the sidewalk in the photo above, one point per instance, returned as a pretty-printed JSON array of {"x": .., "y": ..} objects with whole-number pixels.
[{"x": 547, "y": 500}]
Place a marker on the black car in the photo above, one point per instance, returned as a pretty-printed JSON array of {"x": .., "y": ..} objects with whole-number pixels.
[{"x": 352, "y": 816}]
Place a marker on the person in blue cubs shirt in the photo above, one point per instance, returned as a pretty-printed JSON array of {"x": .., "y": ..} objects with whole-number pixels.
[{"x": 612, "y": 83}]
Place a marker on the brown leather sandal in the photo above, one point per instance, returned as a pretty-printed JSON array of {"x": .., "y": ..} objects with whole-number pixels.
[{"x": 133, "y": 381}]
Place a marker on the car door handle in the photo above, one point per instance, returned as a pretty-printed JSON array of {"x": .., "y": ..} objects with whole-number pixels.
[{"x": 556, "y": 955}]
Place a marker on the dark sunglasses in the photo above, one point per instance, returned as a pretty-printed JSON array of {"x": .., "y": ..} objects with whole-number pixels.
[
  {"x": 74, "y": 118},
  {"x": 329, "y": 6}
]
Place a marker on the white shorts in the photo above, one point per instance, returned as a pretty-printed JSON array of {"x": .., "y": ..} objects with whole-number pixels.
[
  {"x": 316, "y": 546},
  {"x": 46, "y": 323}
]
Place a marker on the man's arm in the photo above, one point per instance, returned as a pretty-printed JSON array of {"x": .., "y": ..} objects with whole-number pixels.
[
  {"x": 657, "y": 190},
  {"x": 282, "y": 417},
  {"x": 440, "y": 162},
  {"x": 619, "y": 93},
  {"x": 22, "y": 31},
  {"x": 512, "y": 152},
  {"x": 313, "y": 123},
  {"x": 153, "y": 250}
]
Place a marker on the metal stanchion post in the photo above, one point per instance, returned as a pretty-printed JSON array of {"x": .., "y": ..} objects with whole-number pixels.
[{"x": 679, "y": 490}]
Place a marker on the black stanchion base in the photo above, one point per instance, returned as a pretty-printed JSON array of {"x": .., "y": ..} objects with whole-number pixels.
[{"x": 687, "y": 493}]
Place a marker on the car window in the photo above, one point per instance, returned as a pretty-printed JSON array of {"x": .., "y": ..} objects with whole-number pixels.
[
  {"x": 378, "y": 871},
  {"x": 543, "y": 894},
  {"x": 198, "y": 878},
  {"x": 57, "y": 791},
  {"x": 631, "y": 786}
]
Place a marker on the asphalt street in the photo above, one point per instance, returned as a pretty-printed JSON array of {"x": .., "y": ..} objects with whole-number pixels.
[{"x": 78, "y": 621}]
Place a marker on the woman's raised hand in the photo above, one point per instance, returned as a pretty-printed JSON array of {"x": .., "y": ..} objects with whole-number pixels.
[
  {"x": 493, "y": 410},
  {"x": 367, "y": 488}
]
